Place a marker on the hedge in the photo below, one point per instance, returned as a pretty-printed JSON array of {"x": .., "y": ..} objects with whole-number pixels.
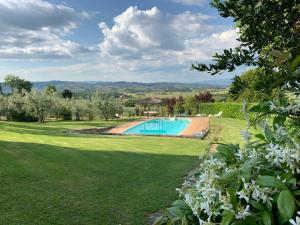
[{"x": 229, "y": 109}]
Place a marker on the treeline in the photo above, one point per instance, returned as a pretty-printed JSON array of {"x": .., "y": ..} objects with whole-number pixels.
[
  {"x": 189, "y": 105},
  {"x": 37, "y": 106}
]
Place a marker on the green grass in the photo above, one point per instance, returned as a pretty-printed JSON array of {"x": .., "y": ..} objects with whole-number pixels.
[{"x": 49, "y": 176}]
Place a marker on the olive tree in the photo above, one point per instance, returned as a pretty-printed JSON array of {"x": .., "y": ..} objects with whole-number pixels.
[
  {"x": 39, "y": 104},
  {"x": 17, "y": 84},
  {"x": 81, "y": 108},
  {"x": 3, "y": 106},
  {"x": 16, "y": 108},
  {"x": 106, "y": 105}
]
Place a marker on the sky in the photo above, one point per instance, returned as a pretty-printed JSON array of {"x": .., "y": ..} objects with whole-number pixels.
[{"x": 111, "y": 40}]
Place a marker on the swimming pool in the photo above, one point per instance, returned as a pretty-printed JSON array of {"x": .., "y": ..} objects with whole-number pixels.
[{"x": 161, "y": 126}]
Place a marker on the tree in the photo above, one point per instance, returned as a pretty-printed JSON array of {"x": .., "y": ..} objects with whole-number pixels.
[
  {"x": 204, "y": 97},
  {"x": 179, "y": 106},
  {"x": 39, "y": 104},
  {"x": 80, "y": 108},
  {"x": 50, "y": 89},
  {"x": 237, "y": 87},
  {"x": 17, "y": 84},
  {"x": 264, "y": 27},
  {"x": 191, "y": 105},
  {"x": 170, "y": 102},
  {"x": 3, "y": 106},
  {"x": 1, "y": 91},
  {"x": 106, "y": 105},
  {"x": 253, "y": 85},
  {"x": 17, "y": 110},
  {"x": 67, "y": 94}
]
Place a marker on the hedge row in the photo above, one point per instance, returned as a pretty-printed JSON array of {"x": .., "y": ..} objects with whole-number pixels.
[{"x": 230, "y": 110}]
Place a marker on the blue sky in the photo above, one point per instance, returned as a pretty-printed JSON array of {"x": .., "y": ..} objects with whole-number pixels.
[{"x": 111, "y": 40}]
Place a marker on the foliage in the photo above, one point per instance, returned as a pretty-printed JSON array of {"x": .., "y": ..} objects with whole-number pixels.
[
  {"x": 229, "y": 109},
  {"x": 191, "y": 105},
  {"x": 17, "y": 84},
  {"x": 129, "y": 111},
  {"x": 130, "y": 103},
  {"x": 254, "y": 85},
  {"x": 67, "y": 94},
  {"x": 81, "y": 109},
  {"x": 179, "y": 105},
  {"x": 17, "y": 110},
  {"x": 262, "y": 26},
  {"x": 38, "y": 104},
  {"x": 50, "y": 89},
  {"x": 204, "y": 97},
  {"x": 106, "y": 105},
  {"x": 258, "y": 183},
  {"x": 254, "y": 184},
  {"x": 170, "y": 103},
  {"x": 1, "y": 90}
]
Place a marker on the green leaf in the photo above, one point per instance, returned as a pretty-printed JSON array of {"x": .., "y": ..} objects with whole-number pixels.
[
  {"x": 160, "y": 220},
  {"x": 295, "y": 63},
  {"x": 292, "y": 181},
  {"x": 181, "y": 205},
  {"x": 279, "y": 120},
  {"x": 270, "y": 181},
  {"x": 233, "y": 200},
  {"x": 256, "y": 205},
  {"x": 229, "y": 177},
  {"x": 184, "y": 221},
  {"x": 286, "y": 204},
  {"x": 263, "y": 107},
  {"x": 266, "y": 218},
  {"x": 296, "y": 193},
  {"x": 260, "y": 136},
  {"x": 175, "y": 212},
  {"x": 227, "y": 217},
  {"x": 268, "y": 134}
]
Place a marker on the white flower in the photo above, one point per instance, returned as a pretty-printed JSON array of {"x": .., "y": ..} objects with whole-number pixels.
[
  {"x": 243, "y": 195},
  {"x": 295, "y": 221},
  {"x": 243, "y": 212}
]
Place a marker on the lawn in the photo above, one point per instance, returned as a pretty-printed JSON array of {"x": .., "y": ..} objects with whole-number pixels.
[{"x": 49, "y": 176}]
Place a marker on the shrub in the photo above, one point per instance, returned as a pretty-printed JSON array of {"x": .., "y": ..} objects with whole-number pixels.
[
  {"x": 230, "y": 110},
  {"x": 258, "y": 183}
]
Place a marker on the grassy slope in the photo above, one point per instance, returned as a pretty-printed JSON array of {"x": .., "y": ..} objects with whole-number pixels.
[{"x": 52, "y": 177}]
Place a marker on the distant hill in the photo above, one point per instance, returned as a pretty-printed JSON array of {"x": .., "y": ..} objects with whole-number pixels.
[{"x": 89, "y": 86}]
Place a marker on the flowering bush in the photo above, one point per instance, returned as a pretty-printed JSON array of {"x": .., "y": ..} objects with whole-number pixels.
[{"x": 258, "y": 183}]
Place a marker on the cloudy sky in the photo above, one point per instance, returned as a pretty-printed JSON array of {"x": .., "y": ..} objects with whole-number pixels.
[{"x": 111, "y": 40}]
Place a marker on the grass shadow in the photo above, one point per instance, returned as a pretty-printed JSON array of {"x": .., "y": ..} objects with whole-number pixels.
[{"x": 47, "y": 184}]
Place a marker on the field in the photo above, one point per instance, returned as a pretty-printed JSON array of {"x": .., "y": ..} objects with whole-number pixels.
[{"x": 49, "y": 176}]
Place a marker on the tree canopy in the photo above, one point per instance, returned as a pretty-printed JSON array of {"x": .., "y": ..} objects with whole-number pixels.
[
  {"x": 17, "y": 84},
  {"x": 252, "y": 86},
  {"x": 262, "y": 26}
]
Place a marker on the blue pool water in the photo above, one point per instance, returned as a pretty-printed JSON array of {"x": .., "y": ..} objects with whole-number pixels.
[{"x": 160, "y": 126}]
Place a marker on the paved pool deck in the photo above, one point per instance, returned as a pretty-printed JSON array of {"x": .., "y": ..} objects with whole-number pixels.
[{"x": 197, "y": 125}]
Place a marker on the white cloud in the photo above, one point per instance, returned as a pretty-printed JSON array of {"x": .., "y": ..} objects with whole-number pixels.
[
  {"x": 191, "y": 2},
  {"x": 151, "y": 38},
  {"x": 36, "y": 29}
]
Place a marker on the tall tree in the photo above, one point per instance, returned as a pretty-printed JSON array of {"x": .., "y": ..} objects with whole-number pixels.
[
  {"x": 264, "y": 27},
  {"x": 67, "y": 94},
  {"x": 17, "y": 84}
]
